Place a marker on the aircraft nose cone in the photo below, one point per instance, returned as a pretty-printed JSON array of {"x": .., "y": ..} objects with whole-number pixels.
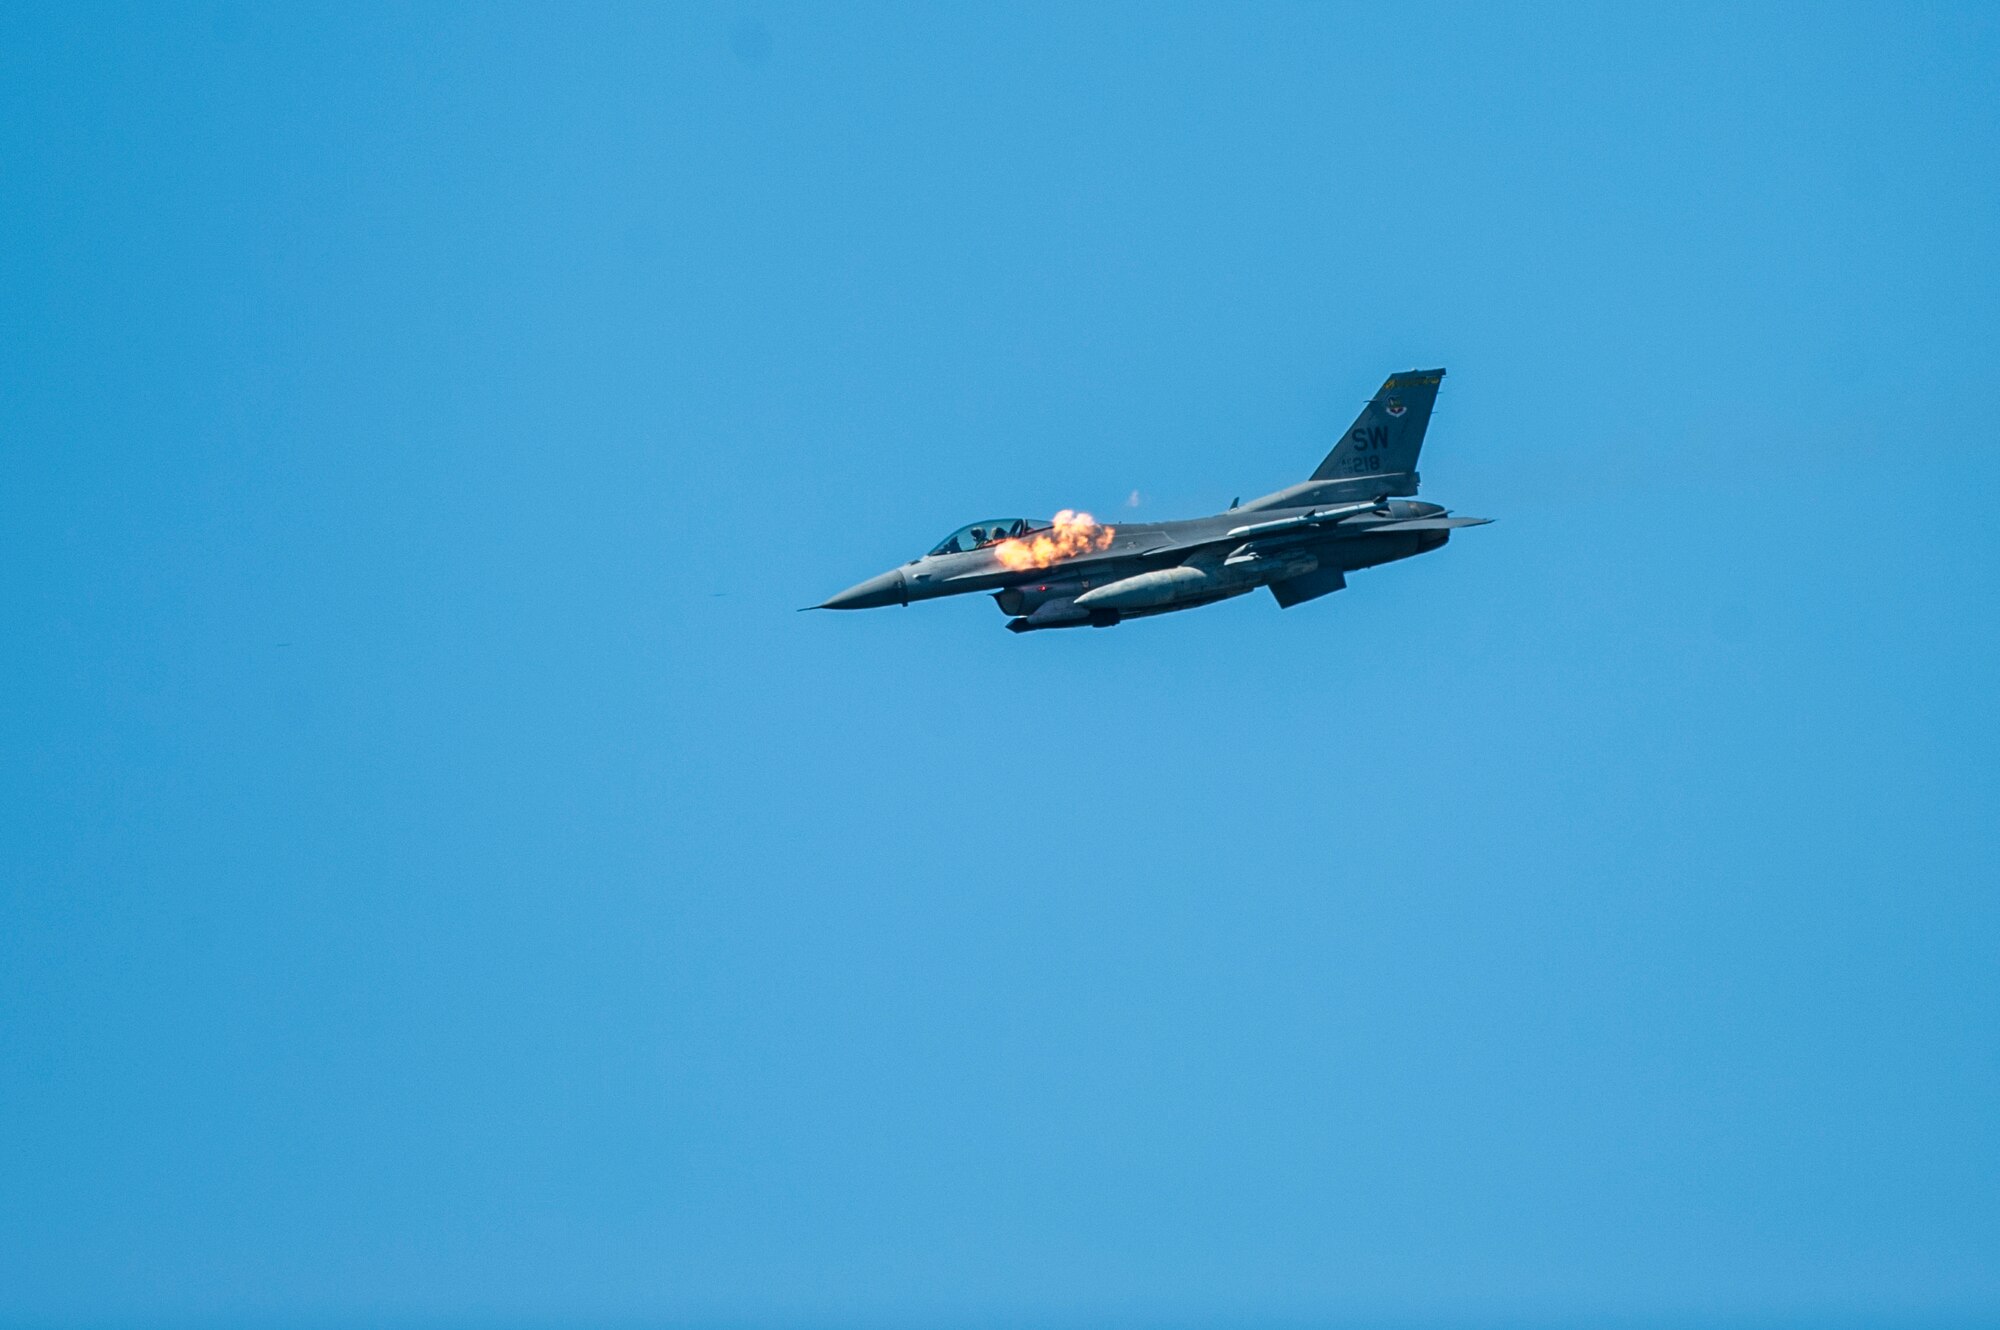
[{"x": 887, "y": 589}]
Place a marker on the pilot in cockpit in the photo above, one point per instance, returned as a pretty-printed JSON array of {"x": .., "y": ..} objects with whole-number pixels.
[{"x": 989, "y": 532}]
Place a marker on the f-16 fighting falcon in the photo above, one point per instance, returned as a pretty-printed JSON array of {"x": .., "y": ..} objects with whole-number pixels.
[{"x": 1301, "y": 542}]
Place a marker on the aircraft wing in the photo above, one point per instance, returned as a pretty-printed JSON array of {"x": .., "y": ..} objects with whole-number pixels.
[
  {"x": 1324, "y": 517},
  {"x": 1350, "y": 519},
  {"x": 1425, "y": 524}
]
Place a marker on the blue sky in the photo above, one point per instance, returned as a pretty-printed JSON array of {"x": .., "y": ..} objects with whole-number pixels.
[{"x": 442, "y": 880}]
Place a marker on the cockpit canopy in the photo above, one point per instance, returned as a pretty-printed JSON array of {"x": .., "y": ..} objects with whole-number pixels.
[{"x": 992, "y": 531}]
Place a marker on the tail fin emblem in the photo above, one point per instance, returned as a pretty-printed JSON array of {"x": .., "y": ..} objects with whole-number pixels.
[{"x": 1396, "y": 408}]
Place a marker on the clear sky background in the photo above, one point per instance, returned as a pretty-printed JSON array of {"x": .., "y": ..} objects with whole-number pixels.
[{"x": 441, "y": 879}]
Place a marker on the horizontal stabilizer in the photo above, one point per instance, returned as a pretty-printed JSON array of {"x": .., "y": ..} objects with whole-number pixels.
[{"x": 1298, "y": 590}]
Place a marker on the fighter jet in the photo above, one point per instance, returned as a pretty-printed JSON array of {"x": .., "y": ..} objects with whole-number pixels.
[{"x": 1301, "y": 542}]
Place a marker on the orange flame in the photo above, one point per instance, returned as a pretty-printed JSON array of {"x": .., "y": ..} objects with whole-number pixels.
[{"x": 1073, "y": 533}]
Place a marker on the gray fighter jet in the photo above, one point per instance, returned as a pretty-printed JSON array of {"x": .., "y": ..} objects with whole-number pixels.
[{"x": 1301, "y": 542}]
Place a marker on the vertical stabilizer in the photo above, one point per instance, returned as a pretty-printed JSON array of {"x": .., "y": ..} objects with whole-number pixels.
[{"x": 1389, "y": 433}]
